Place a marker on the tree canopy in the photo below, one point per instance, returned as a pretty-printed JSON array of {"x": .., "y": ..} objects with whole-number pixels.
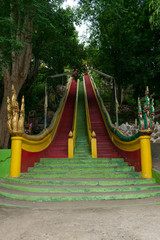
[
  {"x": 122, "y": 43},
  {"x": 33, "y": 32}
]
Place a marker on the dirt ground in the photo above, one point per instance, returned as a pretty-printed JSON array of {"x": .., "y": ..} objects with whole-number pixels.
[{"x": 96, "y": 220}]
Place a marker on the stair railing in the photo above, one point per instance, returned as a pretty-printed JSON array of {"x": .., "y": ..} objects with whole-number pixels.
[
  {"x": 72, "y": 133},
  {"x": 35, "y": 144},
  {"x": 135, "y": 149},
  {"x": 91, "y": 133}
]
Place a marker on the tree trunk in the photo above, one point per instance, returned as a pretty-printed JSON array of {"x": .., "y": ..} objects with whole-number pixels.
[
  {"x": 19, "y": 67},
  {"x": 33, "y": 72},
  {"x": 3, "y": 113},
  {"x": 17, "y": 76}
]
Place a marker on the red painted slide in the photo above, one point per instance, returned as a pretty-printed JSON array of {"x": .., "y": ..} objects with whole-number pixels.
[{"x": 105, "y": 148}]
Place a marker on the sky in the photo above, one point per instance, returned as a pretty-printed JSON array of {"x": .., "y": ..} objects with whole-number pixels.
[
  {"x": 71, "y": 3},
  {"x": 82, "y": 30}
]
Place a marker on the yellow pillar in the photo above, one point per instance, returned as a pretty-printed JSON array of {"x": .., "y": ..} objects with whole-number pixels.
[
  {"x": 70, "y": 147},
  {"x": 94, "y": 147},
  {"x": 16, "y": 148},
  {"x": 146, "y": 157}
]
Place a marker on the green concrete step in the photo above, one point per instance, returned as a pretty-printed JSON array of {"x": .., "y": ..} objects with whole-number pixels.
[
  {"x": 80, "y": 169},
  {"x": 79, "y": 190},
  {"x": 85, "y": 197},
  {"x": 82, "y": 152},
  {"x": 80, "y": 160},
  {"x": 80, "y": 182},
  {"x": 80, "y": 141},
  {"x": 81, "y": 164},
  {"x": 82, "y": 175},
  {"x": 82, "y": 146},
  {"x": 81, "y": 155}
]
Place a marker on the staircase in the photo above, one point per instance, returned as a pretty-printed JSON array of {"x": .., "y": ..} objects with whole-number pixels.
[
  {"x": 105, "y": 148},
  {"x": 82, "y": 147},
  {"x": 59, "y": 146},
  {"x": 79, "y": 179}
]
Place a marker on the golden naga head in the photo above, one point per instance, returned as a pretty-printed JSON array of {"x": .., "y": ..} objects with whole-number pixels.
[
  {"x": 15, "y": 120},
  {"x": 13, "y": 89},
  {"x": 8, "y": 100}
]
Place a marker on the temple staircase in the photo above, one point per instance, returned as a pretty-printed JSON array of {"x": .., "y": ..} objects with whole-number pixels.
[{"x": 78, "y": 179}]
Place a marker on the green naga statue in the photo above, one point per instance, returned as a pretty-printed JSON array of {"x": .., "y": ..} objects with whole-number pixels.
[{"x": 147, "y": 116}]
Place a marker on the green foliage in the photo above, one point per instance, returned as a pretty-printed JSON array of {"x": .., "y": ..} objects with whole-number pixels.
[
  {"x": 53, "y": 38},
  {"x": 56, "y": 43},
  {"x": 129, "y": 100},
  {"x": 154, "y": 7},
  {"x": 122, "y": 43},
  {"x": 37, "y": 93},
  {"x": 8, "y": 43},
  {"x": 104, "y": 88},
  {"x": 16, "y": 20}
]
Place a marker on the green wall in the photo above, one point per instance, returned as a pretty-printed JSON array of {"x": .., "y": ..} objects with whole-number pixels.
[{"x": 5, "y": 159}]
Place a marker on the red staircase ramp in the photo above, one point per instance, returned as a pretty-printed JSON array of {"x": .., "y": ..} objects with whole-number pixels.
[
  {"x": 105, "y": 148},
  {"x": 59, "y": 146}
]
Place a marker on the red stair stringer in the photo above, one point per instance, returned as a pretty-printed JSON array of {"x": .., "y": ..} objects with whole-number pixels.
[
  {"x": 105, "y": 148},
  {"x": 59, "y": 146}
]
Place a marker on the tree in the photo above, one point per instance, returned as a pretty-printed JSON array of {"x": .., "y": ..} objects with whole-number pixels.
[
  {"x": 123, "y": 44},
  {"x": 17, "y": 23},
  {"x": 55, "y": 46}
]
